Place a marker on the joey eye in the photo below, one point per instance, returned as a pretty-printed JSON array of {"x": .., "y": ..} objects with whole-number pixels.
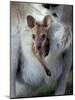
[
  {"x": 43, "y": 36},
  {"x": 33, "y": 36},
  {"x": 45, "y": 25}
]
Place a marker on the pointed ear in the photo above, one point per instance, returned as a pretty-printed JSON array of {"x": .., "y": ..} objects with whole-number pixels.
[
  {"x": 47, "y": 21},
  {"x": 30, "y": 21}
]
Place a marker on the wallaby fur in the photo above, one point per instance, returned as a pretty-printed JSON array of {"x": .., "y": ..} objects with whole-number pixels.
[{"x": 32, "y": 74}]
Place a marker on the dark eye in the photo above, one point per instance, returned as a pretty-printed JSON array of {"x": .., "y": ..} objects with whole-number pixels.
[
  {"x": 46, "y": 6},
  {"x": 33, "y": 36},
  {"x": 43, "y": 36},
  {"x": 55, "y": 15}
]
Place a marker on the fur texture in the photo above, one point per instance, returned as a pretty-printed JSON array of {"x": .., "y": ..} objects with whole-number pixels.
[{"x": 32, "y": 74}]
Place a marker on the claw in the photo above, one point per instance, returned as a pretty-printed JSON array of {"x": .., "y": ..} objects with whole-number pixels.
[{"x": 48, "y": 72}]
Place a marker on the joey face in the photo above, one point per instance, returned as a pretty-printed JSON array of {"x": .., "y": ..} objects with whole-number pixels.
[{"x": 40, "y": 41}]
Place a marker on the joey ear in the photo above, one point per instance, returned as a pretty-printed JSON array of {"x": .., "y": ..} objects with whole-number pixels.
[
  {"x": 30, "y": 21},
  {"x": 47, "y": 21}
]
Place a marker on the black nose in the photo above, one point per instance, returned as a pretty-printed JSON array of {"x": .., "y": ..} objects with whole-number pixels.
[
  {"x": 38, "y": 47},
  {"x": 46, "y": 6}
]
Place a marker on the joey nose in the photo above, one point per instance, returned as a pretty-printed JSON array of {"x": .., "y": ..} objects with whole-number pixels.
[{"x": 38, "y": 47}]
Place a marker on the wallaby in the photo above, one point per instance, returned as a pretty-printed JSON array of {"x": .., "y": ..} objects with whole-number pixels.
[{"x": 40, "y": 38}]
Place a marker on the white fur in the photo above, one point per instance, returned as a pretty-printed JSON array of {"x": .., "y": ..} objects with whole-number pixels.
[{"x": 57, "y": 46}]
